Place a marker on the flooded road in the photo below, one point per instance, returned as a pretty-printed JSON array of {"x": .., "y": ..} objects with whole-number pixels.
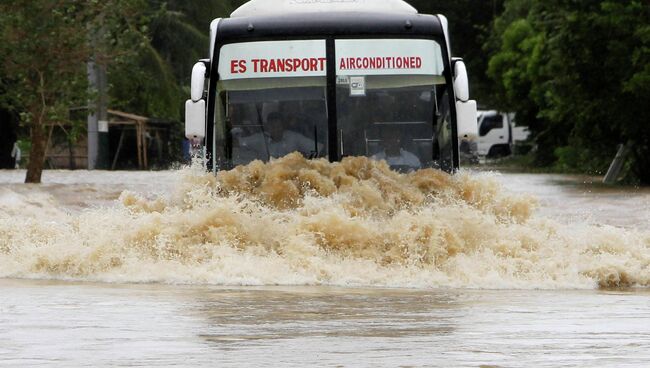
[
  {"x": 582, "y": 199},
  {"x": 513, "y": 303},
  {"x": 90, "y": 325}
]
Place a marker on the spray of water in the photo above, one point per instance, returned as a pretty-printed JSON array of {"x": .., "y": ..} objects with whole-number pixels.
[{"x": 300, "y": 222}]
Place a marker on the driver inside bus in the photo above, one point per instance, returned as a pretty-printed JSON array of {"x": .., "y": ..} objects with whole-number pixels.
[
  {"x": 278, "y": 141},
  {"x": 393, "y": 152}
]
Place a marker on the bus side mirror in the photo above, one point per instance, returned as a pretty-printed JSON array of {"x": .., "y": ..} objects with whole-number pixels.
[
  {"x": 195, "y": 119},
  {"x": 461, "y": 81},
  {"x": 198, "y": 81},
  {"x": 466, "y": 116}
]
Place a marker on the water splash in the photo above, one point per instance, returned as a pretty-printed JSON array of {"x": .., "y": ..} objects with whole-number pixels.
[{"x": 300, "y": 222}]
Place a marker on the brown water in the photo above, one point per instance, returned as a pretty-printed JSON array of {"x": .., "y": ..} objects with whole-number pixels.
[{"x": 310, "y": 264}]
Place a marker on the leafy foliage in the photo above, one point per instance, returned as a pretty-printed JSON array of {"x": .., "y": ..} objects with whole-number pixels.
[
  {"x": 577, "y": 72},
  {"x": 148, "y": 46},
  {"x": 44, "y": 47},
  {"x": 175, "y": 35},
  {"x": 470, "y": 24}
]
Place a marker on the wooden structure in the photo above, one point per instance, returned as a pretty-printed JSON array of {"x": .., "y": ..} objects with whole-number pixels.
[
  {"x": 61, "y": 152},
  {"x": 149, "y": 136},
  {"x": 139, "y": 123}
]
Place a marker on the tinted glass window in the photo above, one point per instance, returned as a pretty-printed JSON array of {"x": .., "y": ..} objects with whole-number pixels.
[
  {"x": 271, "y": 121},
  {"x": 396, "y": 107},
  {"x": 489, "y": 123},
  {"x": 271, "y": 101}
]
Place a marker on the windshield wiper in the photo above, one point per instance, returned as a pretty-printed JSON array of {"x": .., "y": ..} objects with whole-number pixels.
[
  {"x": 266, "y": 144},
  {"x": 314, "y": 153},
  {"x": 435, "y": 101}
]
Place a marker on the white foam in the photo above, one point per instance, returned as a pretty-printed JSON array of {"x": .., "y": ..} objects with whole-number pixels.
[{"x": 298, "y": 222}]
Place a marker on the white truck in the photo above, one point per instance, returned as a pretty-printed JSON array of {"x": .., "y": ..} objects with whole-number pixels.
[
  {"x": 498, "y": 133},
  {"x": 331, "y": 79}
]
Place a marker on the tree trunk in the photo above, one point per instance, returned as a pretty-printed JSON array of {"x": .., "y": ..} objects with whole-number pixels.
[
  {"x": 36, "y": 154},
  {"x": 71, "y": 158}
]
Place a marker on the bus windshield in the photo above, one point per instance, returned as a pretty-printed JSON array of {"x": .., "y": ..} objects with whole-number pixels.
[
  {"x": 272, "y": 121},
  {"x": 407, "y": 125},
  {"x": 392, "y": 102},
  {"x": 271, "y": 101}
]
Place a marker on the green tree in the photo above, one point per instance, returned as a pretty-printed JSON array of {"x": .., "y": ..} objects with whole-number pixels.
[
  {"x": 470, "y": 24},
  {"x": 44, "y": 47},
  {"x": 155, "y": 82},
  {"x": 519, "y": 74},
  {"x": 577, "y": 72}
]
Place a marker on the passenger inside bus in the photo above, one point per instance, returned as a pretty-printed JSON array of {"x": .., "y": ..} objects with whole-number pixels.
[
  {"x": 392, "y": 149},
  {"x": 276, "y": 139}
]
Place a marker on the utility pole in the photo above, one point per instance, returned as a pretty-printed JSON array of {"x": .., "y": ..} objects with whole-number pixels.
[{"x": 98, "y": 150}]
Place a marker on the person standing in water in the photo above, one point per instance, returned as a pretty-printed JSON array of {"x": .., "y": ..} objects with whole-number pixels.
[{"x": 15, "y": 154}]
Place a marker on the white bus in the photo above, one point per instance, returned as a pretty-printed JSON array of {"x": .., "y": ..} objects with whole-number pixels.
[{"x": 331, "y": 79}]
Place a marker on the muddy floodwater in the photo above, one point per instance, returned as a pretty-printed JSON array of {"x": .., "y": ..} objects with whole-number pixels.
[{"x": 335, "y": 270}]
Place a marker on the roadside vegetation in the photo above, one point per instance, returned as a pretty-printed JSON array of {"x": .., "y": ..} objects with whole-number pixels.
[
  {"x": 147, "y": 47},
  {"x": 576, "y": 72}
]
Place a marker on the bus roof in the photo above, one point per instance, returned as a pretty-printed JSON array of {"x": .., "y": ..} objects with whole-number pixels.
[
  {"x": 328, "y": 24},
  {"x": 284, "y": 7}
]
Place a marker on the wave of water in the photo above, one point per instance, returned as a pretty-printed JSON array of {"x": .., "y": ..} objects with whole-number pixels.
[{"x": 300, "y": 222}]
